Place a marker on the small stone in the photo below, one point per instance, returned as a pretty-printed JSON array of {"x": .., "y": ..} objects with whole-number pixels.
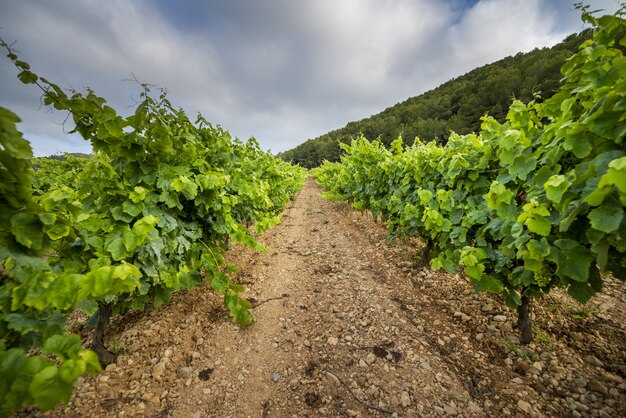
[
  {"x": 197, "y": 414},
  {"x": 362, "y": 363},
  {"x": 332, "y": 341},
  {"x": 499, "y": 318},
  {"x": 473, "y": 408},
  {"x": 200, "y": 341},
  {"x": 184, "y": 372},
  {"x": 195, "y": 355},
  {"x": 487, "y": 307},
  {"x": 352, "y": 413},
  {"x": 508, "y": 361},
  {"x": 426, "y": 366},
  {"x": 371, "y": 358},
  {"x": 158, "y": 370},
  {"x": 580, "y": 382},
  {"x": 593, "y": 360},
  {"x": 405, "y": 399},
  {"x": 275, "y": 376},
  {"x": 450, "y": 410},
  {"x": 597, "y": 386},
  {"x": 306, "y": 343},
  {"x": 524, "y": 406},
  {"x": 479, "y": 336}
]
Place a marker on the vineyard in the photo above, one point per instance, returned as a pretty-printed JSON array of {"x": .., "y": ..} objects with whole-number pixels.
[{"x": 114, "y": 265}]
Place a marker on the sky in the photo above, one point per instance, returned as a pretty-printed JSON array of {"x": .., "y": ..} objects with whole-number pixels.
[{"x": 283, "y": 71}]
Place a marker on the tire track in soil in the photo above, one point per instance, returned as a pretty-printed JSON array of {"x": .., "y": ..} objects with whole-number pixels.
[{"x": 346, "y": 325}]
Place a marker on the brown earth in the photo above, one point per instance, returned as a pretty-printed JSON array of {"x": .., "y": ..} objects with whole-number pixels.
[{"x": 348, "y": 323}]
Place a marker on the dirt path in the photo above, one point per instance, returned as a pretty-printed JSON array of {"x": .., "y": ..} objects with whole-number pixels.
[{"x": 347, "y": 324}]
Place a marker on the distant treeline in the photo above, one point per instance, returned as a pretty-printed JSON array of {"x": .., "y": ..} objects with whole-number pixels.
[{"x": 456, "y": 105}]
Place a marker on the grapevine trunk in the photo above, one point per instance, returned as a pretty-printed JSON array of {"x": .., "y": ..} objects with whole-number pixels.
[
  {"x": 105, "y": 356},
  {"x": 524, "y": 321}
]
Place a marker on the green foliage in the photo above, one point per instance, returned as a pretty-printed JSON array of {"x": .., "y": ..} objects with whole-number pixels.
[
  {"x": 456, "y": 105},
  {"x": 523, "y": 206},
  {"x": 149, "y": 213}
]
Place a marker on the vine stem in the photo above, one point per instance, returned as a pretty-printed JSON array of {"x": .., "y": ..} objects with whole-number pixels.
[{"x": 362, "y": 402}]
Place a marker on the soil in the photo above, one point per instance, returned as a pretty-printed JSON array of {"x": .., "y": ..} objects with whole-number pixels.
[{"x": 351, "y": 323}]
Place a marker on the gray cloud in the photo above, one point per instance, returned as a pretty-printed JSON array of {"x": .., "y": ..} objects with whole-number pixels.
[{"x": 280, "y": 70}]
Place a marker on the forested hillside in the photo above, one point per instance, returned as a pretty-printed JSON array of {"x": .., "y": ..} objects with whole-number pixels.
[{"x": 456, "y": 105}]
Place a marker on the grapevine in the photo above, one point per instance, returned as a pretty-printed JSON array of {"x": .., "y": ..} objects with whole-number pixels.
[
  {"x": 522, "y": 207},
  {"x": 151, "y": 212}
]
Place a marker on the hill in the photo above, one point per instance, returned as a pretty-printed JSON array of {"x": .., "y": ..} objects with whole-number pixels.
[{"x": 456, "y": 105}]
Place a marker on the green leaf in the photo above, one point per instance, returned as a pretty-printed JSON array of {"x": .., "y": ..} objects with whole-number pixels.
[
  {"x": 580, "y": 145},
  {"x": 606, "y": 218},
  {"x": 145, "y": 225},
  {"x": 161, "y": 296},
  {"x": 47, "y": 218},
  {"x": 539, "y": 225},
  {"x": 573, "y": 260},
  {"x": 131, "y": 208},
  {"x": 488, "y": 283},
  {"x": 110, "y": 281},
  {"x": 582, "y": 292},
  {"x": 556, "y": 186},
  {"x": 27, "y": 229},
  {"x": 48, "y": 389},
  {"x": 63, "y": 346},
  {"x": 219, "y": 282},
  {"x": 617, "y": 174},
  {"x": 132, "y": 240},
  {"x": 58, "y": 231},
  {"x": 117, "y": 249}
]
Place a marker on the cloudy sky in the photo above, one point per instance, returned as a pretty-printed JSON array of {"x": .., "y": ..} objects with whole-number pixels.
[{"x": 283, "y": 71}]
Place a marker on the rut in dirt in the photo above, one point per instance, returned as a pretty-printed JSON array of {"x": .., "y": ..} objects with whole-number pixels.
[{"x": 347, "y": 323}]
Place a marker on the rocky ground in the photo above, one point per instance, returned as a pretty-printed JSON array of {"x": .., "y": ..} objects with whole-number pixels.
[{"x": 349, "y": 323}]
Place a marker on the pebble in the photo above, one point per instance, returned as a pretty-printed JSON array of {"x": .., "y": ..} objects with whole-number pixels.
[
  {"x": 405, "y": 399},
  {"x": 158, "y": 370},
  {"x": 426, "y": 366},
  {"x": 371, "y": 358},
  {"x": 524, "y": 406},
  {"x": 487, "y": 307},
  {"x": 184, "y": 372},
  {"x": 593, "y": 360},
  {"x": 275, "y": 376},
  {"x": 499, "y": 318},
  {"x": 332, "y": 341},
  {"x": 450, "y": 410},
  {"x": 597, "y": 386}
]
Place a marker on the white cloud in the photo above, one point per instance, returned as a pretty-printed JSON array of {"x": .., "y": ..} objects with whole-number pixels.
[
  {"x": 280, "y": 70},
  {"x": 496, "y": 28}
]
